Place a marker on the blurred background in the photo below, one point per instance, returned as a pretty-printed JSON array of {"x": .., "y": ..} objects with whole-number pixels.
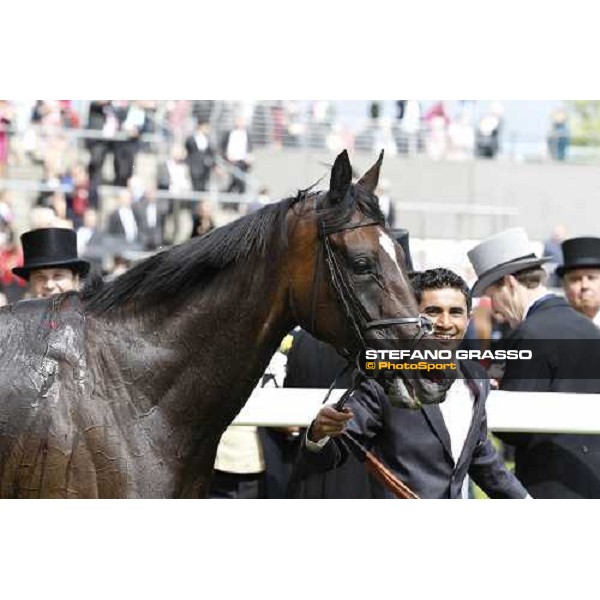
[{"x": 134, "y": 176}]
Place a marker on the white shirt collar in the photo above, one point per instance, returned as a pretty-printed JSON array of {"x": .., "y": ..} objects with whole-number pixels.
[
  {"x": 457, "y": 412},
  {"x": 543, "y": 293}
]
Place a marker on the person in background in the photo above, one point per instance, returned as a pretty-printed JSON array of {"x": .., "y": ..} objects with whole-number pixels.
[
  {"x": 6, "y": 116},
  {"x": 122, "y": 221},
  {"x": 236, "y": 148},
  {"x": 51, "y": 264},
  {"x": 374, "y": 111},
  {"x": 200, "y": 156},
  {"x": 400, "y": 108},
  {"x": 410, "y": 127},
  {"x": 559, "y": 136},
  {"x": 11, "y": 255},
  {"x": 78, "y": 195},
  {"x": 151, "y": 215},
  {"x": 58, "y": 203},
  {"x": 386, "y": 202},
  {"x": 91, "y": 241},
  {"x": 7, "y": 216},
  {"x": 102, "y": 119},
  {"x": 173, "y": 176},
  {"x": 436, "y": 139},
  {"x": 580, "y": 273},
  {"x": 132, "y": 120},
  {"x": 489, "y": 129},
  {"x": 553, "y": 249},
  {"x": 563, "y": 345},
  {"x": 202, "y": 221}
]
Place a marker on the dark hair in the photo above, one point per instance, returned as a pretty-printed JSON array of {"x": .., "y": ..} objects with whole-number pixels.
[
  {"x": 437, "y": 279},
  {"x": 531, "y": 278}
]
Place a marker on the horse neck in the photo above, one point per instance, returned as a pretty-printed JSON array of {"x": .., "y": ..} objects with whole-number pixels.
[{"x": 217, "y": 344}]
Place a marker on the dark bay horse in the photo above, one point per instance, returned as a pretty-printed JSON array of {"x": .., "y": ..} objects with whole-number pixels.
[{"x": 125, "y": 390}]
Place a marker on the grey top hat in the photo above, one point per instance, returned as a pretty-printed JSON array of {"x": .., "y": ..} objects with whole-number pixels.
[{"x": 502, "y": 254}]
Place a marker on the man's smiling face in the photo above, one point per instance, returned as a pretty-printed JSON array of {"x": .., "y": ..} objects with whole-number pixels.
[{"x": 447, "y": 308}]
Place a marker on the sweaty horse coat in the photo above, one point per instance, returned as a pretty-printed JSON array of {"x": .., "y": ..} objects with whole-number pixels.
[{"x": 125, "y": 390}]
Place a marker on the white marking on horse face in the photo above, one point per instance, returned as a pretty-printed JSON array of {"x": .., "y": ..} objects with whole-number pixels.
[{"x": 387, "y": 244}]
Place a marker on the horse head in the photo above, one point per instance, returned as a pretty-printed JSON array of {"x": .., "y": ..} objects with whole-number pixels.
[{"x": 348, "y": 280}]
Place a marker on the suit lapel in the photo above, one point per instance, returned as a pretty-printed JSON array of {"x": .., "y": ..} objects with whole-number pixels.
[
  {"x": 434, "y": 417},
  {"x": 478, "y": 406}
]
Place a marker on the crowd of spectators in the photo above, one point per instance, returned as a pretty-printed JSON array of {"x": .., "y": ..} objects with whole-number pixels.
[
  {"x": 65, "y": 147},
  {"x": 434, "y": 130},
  {"x": 119, "y": 128},
  {"x": 201, "y": 151}
]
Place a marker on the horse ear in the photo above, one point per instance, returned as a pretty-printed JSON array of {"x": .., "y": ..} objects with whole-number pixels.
[
  {"x": 370, "y": 179},
  {"x": 341, "y": 178}
]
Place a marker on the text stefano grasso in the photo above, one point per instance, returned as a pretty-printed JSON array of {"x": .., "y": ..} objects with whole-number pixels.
[{"x": 411, "y": 355}]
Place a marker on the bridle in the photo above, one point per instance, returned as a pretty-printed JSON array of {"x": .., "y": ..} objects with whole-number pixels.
[
  {"x": 356, "y": 314},
  {"x": 360, "y": 322}
]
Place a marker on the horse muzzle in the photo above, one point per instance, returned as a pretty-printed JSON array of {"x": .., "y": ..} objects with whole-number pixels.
[{"x": 415, "y": 390}]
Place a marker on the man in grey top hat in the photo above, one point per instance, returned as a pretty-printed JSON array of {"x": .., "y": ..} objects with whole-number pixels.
[
  {"x": 51, "y": 265},
  {"x": 562, "y": 342}
]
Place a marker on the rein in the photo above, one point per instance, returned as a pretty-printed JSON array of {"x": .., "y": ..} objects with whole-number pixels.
[{"x": 354, "y": 447}]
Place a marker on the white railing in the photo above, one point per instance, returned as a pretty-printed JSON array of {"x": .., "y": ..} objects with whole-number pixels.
[{"x": 506, "y": 411}]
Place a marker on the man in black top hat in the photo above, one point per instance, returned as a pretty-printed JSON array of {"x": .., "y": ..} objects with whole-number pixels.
[
  {"x": 580, "y": 273},
  {"x": 51, "y": 264}
]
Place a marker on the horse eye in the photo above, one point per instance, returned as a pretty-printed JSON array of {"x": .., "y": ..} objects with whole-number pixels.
[{"x": 361, "y": 266}]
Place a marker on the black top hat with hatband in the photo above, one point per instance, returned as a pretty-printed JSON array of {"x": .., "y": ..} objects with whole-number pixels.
[
  {"x": 50, "y": 248},
  {"x": 401, "y": 236},
  {"x": 580, "y": 253}
]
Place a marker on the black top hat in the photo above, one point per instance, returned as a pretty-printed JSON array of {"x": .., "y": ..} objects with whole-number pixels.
[
  {"x": 50, "y": 248},
  {"x": 401, "y": 237},
  {"x": 580, "y": 253}
]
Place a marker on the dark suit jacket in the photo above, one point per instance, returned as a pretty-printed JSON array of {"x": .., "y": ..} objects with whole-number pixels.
[
  {"x": 151, "y": 237},
  {"x": 115, "y": 225},
  {"x": 555, "y": 465},
  {"x": 415, "y": 445},
  {"x": 199, "y": 161},
  {"x": 314, "y": 364}
]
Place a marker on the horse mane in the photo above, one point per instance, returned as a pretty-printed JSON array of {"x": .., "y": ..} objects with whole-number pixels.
[{"x": 178, "y": 271}]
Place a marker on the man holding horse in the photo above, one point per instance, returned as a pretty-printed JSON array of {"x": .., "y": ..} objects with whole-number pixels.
[
  {"x": 431, "y": 449},
  {"x": 51, "y": 265}
]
